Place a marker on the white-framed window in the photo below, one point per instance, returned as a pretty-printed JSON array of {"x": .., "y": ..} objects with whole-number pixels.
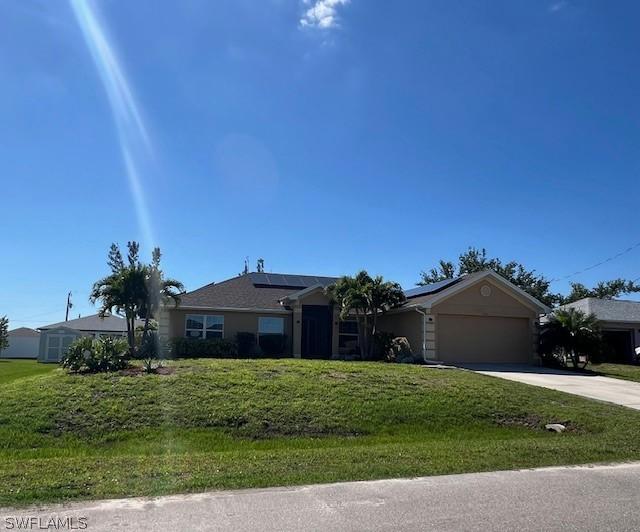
[
  {"x": 204, "y": 326},
  {"x": 348, "y": 338}
]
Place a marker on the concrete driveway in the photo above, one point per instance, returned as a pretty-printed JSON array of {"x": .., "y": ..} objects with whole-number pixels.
[{"x": 618, "y": 391}]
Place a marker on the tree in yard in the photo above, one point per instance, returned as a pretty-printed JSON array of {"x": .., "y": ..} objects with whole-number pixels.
[
  {"x": 574, "y": 332},
  {"x": 603, "y": 290},
  {"x": 476, "y": 260},
  {"x": 4, "y": 333},
  {"x": 134, "y": 290},
  {"x": 367, "y": 298}
]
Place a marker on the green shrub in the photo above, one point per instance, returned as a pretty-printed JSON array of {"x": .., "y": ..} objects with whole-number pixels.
[
  {"x": 149, "y": 350},
  {"x": 400, "y": 351},
  {"x": 273, "y": 345},
  {"x": 88, "y": 355},
  {"x": 247, "y": 344},
  {"x": 203, "y": 348},
  {"x": 382, "y": 345}
]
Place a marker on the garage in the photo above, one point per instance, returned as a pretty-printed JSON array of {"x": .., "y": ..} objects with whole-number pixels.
[
  {"x": 483, "y": 339},
  {"x": 477, "y": 318}
]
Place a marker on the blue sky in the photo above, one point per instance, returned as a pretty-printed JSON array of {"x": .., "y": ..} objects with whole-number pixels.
[{"x": 324, "y": 136}]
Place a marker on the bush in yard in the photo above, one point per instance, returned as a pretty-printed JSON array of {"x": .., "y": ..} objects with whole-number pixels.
[
  {"x": 400, "y": 351},
  {"x": 149, "y": 350},
  {"x": 88, "y": 355},
  {"x": 247, "y": 344},
  {"x": 383, "y": 342},
  {"x": 574, "y": 332},
  {"x": 273, "y": 345},
  {"x": 203, "y": 348}
]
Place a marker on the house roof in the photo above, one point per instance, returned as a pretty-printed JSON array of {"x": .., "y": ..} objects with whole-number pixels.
[
  {"x": 265, "y": 291},
  {"x": 251, "y": 291},
  {"x": 92, "y": 323},
  {"x": 432, "y": 288},
  {"x": 608, "y": 309},
  {"x": 440, "y": 291},
  {"x": 24, "y": 331}
]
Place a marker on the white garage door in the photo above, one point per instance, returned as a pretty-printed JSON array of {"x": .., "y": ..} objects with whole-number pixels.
[{"x": 483, "y": 339}]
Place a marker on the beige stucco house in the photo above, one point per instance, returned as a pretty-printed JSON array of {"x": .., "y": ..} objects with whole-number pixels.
[{"x": 476, "y": 318}]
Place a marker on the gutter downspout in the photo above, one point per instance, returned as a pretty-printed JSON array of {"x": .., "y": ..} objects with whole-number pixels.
[{"x": 424, "y": 331}]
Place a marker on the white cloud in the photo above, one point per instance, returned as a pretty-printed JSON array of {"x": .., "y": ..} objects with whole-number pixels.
[{"x": 322, "y": 14}]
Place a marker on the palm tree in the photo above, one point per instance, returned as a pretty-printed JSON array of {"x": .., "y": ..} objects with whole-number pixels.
[
  {"x": 368, "y": 298},
  {"x": 134, "y": 289},
  {"x": 574, "y": 331},
  {"x": 384, "y": 295},
  {"x": 159, "y": 291}
]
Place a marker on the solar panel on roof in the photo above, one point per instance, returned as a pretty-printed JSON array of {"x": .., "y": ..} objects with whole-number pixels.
[
  {"x": 291, "y": 281},
  {"x": 430, "y": 288}
]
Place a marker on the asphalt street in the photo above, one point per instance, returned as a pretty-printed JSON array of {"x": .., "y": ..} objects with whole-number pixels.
[{"x": 604, "y": 497}]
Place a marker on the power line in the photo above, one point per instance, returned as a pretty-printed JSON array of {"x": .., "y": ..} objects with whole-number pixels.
[{"x": 605, "y": 261}]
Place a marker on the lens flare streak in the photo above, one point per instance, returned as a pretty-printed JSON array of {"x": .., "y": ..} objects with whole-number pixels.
[{"x": 133, "y": 137}]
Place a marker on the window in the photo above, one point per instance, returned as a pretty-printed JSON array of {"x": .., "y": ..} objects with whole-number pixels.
[
  {"x": 271, "y": 336},
  {"x": 348, "y": 338},
  {"x": 270, "y": 325},
  {"x": 203, "y": 326}
]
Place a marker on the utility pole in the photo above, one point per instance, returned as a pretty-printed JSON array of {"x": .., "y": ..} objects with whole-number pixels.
[{"x": 69, "y": 305}]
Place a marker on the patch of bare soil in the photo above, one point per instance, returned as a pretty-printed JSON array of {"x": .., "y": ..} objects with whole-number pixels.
[{"x": 134, "y": 371}]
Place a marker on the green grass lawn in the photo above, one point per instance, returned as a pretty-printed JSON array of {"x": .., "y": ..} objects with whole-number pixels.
[
  {"x": 247, "y": 423},
  {"x": 619, "y": 371},
  {"x": 11, "y": 369}
]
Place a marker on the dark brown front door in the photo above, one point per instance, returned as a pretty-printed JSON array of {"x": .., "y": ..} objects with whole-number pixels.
[{"x": 316, "y": 331}]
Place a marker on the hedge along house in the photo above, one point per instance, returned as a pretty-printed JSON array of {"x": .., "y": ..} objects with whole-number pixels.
[
  {"x": 56, "y": 338},
  {"x": 476, "y": 318}
]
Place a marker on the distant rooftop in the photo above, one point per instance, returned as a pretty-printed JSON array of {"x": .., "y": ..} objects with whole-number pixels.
[
  {"x": 24, "y": 331},
  {"x": 609, "y": 309},
  {"x": 92, "y": 323}
]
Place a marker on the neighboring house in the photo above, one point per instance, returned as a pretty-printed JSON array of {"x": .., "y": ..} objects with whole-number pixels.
[
  {"x": 619, "y": 321},
  {"x": 476, "y": 318},
  {"x": 23, "y": 343},
  {"x": 56, "y": 338}
]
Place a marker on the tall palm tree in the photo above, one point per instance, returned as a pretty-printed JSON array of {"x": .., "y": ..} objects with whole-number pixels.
[
  {"x": 574, "y": 331},
  {"x": 368, "y": 298},
  {"x": 383, "y": 296},
  {"x": 134, "y": 289}
]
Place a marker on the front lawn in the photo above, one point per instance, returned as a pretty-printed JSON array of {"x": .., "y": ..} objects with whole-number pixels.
[
  {"x": 11, "y": 369},
  {"x": 248, "y": 423},
  {"x": 619, "y": 371}
]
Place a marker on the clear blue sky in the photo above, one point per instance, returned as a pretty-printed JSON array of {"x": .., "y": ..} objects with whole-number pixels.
[{"x": 325, "y": 136}]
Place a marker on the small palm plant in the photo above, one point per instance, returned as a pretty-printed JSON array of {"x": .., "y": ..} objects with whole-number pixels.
[
  {"x": 367, "y": 298},
  {"x": 574, "y": 332}
]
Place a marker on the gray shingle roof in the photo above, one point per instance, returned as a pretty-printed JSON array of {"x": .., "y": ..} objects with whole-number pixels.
[
  {"x": 242, "y": 293},
  {"x": 92, "y": 323},
  {"x": 609, "y": 309},
  {"x": 24, "y": 331}
]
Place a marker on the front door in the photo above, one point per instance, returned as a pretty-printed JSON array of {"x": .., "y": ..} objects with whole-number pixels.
[{"x": 316, "y": 331}]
